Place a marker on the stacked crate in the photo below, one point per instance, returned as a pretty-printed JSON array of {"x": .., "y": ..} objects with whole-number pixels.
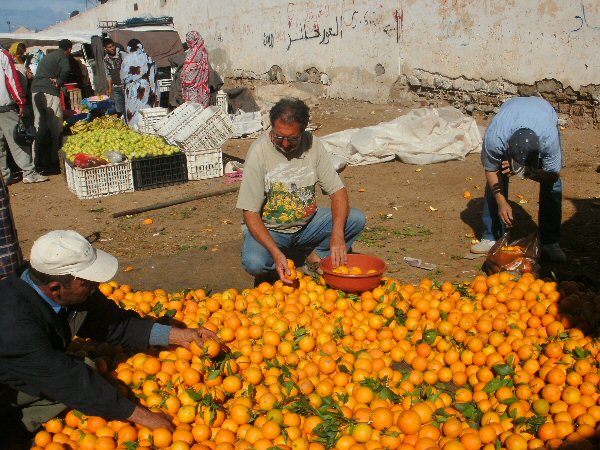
[{"x": 199, "y": 133}]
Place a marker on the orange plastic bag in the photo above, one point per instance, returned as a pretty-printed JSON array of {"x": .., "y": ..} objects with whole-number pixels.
[{"x": 518, "y": 257}]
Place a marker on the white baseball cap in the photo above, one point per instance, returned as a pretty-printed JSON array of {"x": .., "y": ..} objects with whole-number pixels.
[{"x": 66, "y": 252}]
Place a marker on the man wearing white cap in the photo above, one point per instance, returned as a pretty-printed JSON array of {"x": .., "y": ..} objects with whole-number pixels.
[{"x": 43, "y": 307}]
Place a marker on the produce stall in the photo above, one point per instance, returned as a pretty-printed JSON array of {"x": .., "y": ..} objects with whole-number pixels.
[
  {"x": 494, "y": 362},
  {"x": 104, "y": 156}
]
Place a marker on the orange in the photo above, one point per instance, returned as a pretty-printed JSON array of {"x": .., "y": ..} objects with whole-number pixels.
[
  {"x": 382, "y": 418},
  {"x": 127, "y": 433},
  {"x": 161, "y": 438},
  {"x": 54, "y": 426},
  {"x": 232, "y": 384},
  {"x": 187, "y": 414},
  {"x": 201, "y": 432},
  {"x": 409, "y": 422},
  {"x": 362, "y": 432},
  {"x": 43, "y": 438},
  {"x": 105, "y": 443}
]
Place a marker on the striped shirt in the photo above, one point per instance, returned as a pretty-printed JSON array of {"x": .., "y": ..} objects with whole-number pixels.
[
  {"x": 10, "y": 251},
  {"x": 11, "y": 91}
]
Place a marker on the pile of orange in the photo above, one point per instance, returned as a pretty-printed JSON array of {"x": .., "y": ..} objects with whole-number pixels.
[
  {"x": 495, "y": 363},
  {"x": 354, "y": 270}
]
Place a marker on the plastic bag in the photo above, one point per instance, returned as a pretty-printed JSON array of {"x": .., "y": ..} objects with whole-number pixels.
[
  {"x": 84, "y": 161},
  {"x": 115, "y": 157},
  {"x": 23, "y": 134},
  {"x": 518, "y": 257}
]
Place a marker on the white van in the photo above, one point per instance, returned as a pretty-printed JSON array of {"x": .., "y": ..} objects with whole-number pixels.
[{"x": 160, "y": 42}]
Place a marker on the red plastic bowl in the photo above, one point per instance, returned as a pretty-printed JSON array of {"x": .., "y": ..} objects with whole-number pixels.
[{"x": 355, "y": 283}]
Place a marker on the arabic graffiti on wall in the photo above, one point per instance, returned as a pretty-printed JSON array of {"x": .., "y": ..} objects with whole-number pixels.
[
  {"x": 309, "y": 21},
  {"x": 585, "y": 21}
]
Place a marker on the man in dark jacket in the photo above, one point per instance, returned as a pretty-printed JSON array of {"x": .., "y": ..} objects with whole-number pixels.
[
  {"x": 44, "y": 306},
  {"x": 50, "y": 77},
  {"x": 112, "y": 67}
]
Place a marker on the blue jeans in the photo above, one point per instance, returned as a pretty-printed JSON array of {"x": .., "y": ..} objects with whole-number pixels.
[
  {"x": 257, "y": 260},
  {"x": 549, "y": 217},
  {"x": 118, "y": 96}
]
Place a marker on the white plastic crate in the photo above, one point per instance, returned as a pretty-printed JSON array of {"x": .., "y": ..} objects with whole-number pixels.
[
  {"x": 220, "y": 99},
  {"x": 204, "y": 164},
  {"x": 151, "y": 119},
  {"x": 164, "y": 85},
  {"x": 99, "y": 181},
  {"x": 207, "y": 130},
  {"x": 176, "y": 119}
]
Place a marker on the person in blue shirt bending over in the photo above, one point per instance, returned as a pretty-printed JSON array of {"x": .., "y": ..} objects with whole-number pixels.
[{"x": 523, "y": 140}]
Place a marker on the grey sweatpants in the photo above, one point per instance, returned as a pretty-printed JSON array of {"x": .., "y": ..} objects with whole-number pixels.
[
  {"x": 20, "y": 153},
  {"x": 48, "y": 116}
]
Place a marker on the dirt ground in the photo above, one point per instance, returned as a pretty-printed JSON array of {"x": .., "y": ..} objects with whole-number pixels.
[{"x": 416, "y": 211}]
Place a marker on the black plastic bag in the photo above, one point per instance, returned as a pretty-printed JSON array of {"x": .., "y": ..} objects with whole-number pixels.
[
  {"x": 23, "y": 134},
  {"x": 518, "y": 257}
]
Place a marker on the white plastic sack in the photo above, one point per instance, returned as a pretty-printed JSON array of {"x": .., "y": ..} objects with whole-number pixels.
[
  {"x": 423, "y": 136},
  {"x": 245, "y": 123}
]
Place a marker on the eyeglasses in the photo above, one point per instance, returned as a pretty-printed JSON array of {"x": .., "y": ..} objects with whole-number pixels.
[{"x": 291, "y": 139}]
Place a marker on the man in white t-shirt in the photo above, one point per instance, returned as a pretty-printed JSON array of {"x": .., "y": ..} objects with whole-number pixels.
[{"x": 278, "y": 198}]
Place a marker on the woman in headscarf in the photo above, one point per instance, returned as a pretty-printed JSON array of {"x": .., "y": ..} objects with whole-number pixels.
[
  {"x": 194, "y": 74},
  {"x": 17, "y": 50},
  {"x": 138, "y": 74}
]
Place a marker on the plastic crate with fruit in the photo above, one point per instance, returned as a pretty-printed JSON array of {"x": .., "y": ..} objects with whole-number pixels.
[
  {"x": 159, "y": 171},
  {"x": 206, "y": 130},
  {"x": 204, "y": 164},
  {"x": 99, "y": 181}
]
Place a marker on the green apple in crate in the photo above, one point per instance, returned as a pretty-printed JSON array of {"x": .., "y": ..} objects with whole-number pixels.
[{"x": 133, "y": 145}]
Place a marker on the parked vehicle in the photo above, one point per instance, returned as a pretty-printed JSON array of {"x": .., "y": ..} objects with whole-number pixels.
[{"x": 160, "y": 40}]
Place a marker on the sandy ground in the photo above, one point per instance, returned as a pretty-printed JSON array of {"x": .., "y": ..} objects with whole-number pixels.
[{"x": 412, "y": 211}]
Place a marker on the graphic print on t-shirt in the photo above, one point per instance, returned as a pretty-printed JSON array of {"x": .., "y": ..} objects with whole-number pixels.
[{"x": 290, "y": 195}]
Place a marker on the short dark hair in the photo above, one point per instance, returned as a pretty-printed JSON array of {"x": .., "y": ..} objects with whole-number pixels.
[
  {"x": 65, "y": 44},
  {"x": 107, "y": 41},
  {"x": 41, "y": 279},
  {"x": 290, "y": 110}
]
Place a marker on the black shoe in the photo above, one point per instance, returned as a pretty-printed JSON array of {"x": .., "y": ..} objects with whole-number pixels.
[{"x": 12, "y": 180}]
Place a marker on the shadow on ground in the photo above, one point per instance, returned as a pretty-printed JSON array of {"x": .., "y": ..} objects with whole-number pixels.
[
  {"x": 580, "y": 239},
  {"x": 215, "y": 271}
]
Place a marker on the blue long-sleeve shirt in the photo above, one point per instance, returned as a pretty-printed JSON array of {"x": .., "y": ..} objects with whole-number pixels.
[{"x": 534, "y": 113}]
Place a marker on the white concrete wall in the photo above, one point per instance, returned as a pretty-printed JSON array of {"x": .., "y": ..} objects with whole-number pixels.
[{"x": 520, "y": 41}]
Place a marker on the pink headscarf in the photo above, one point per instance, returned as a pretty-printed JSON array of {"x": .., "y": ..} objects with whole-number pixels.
[{"x": 194, "y": 74}]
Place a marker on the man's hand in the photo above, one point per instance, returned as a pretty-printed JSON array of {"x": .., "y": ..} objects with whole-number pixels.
[
  {"x": 21, "y": 111},
  {"x": 507, "y": 169},
  {"x": 505, "y": 213},
  {"x": 54, "y": 82},
  {"x": 183, "y": 337},
  {"x": 340, "y": 206},
  {"x": 338, "y": 250},
  {"x": 151, "y": 419},
  {"x": 282, "y": 268}
]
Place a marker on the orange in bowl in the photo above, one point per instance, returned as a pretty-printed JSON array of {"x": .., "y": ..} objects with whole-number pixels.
[{"x": 364, "y": 272}]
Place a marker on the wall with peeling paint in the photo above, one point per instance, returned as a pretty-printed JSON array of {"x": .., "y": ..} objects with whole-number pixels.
[{"x": 360, "y": 48}]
